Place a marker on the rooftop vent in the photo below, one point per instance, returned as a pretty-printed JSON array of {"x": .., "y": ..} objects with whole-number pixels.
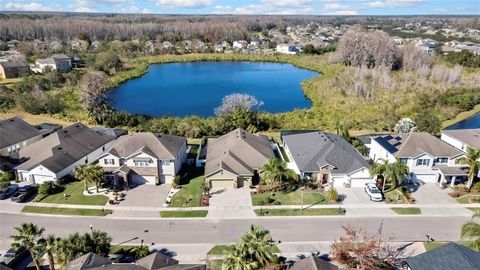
[
  {"x": 59, "y": 148},
  {"x": 65, "y": 131},
  {"x": 77, "y": 125},
  {"x": 12, "y": 120}
]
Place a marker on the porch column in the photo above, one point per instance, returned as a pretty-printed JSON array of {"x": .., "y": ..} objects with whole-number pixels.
[{"x": 452, "y": 182}]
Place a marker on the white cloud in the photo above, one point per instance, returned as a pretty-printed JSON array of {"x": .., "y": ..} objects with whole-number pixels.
[
  {"x": 284, "y": 7},
  {"x": 287, "y": 3},
  {"x": 403, "y": 3},
  {"x": 335, "y": 6},
  {"x": 376, "y": 4},
  {"x": 32, "y": 6},
  {"x": 440, "y": 11},
  {"x": 183, "y": 3},
  {"x": 94, "y": 5},
  {"x": 342, "y": 12}
]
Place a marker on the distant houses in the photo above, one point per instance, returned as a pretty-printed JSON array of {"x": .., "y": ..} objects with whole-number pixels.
[
  {"x": 14, "y": 69},
  {"x": 59, "y": 62},
  {"x": 288, "y": 48}
]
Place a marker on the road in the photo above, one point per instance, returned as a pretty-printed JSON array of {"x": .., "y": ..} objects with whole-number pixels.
[{"x": 191, "y": 231}]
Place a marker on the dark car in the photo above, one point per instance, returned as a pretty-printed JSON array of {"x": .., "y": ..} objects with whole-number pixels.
[
  {"x": 8, "y": 191},
  {"x": 24, "y": 193},
  {"x": 13, "y": 256}
]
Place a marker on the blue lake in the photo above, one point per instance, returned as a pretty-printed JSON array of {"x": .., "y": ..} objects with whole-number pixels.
[
  {"x": 471, "y": 122},
  {"x": 197, "y": 88}
]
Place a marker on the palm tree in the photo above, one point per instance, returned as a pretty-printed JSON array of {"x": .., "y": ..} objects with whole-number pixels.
[
  {"x": 237, "y": 259},
  {"x": 27, "y": 236},
  {"x": 259, "y": 245},
  {"x": 49, "y": 246},
  {"x": 472, "y": 159},
  {"x": 275, "y": 170},
  {"x": 471, "y": 231},
  {"x": 394, "y": 172},
  {"x": 141, "y": 251},
  {"x": 90, "y": 173}
]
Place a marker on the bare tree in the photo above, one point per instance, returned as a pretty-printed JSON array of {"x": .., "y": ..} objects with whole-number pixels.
[
  {"x": 93, "y": 86},
  {"x": 240, "y": 101},
  {"x": 405, "y": 125}
]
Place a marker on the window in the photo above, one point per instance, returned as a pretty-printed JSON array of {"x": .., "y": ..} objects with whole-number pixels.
[
  {"x": 404, "y": 161},
  {"x": 141, "y": 163},
  {"x": 441, "y": 160},
  {"x": 109, "y": 161},
  {"x": 423, "y": 162}
]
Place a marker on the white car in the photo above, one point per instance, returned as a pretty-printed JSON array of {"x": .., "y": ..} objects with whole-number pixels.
[{"x": 373, "y": 192}]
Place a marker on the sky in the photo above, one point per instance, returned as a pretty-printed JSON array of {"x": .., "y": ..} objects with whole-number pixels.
[{"x": 290, "y": 7}]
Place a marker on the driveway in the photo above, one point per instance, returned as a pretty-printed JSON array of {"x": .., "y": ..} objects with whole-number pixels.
[
  {"x": 146, "y": 196},
  {"x": 230, "y": 203},
  {"x": 355, "y": 196},
  {"x": 430, "y": 193}
]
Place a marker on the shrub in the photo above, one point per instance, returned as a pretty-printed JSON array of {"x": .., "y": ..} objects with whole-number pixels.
[
  {"x": 46, "y": 188},
  {"x": 4, "y": 184},
  {"x": 476, "y": 187},
  {"x": 332, "y": 194},
  {"x": 7, "y": 176}
]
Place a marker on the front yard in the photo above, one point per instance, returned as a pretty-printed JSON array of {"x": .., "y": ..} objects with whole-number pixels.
[
  {"x": 395, "y": 196},
  {"x": 467, "y": 199},
  {"x": 189, "y": 194},
  {"x": 298, "y": 212},
  {"x": 288, "y": 198},
  {"x": 225, "y": 249},
  {"x": 75, "y": 195},
  {"x": 184, "y": 214},
  {"x": 432, "y": 245},
  {"x": 407, "y": 210}
]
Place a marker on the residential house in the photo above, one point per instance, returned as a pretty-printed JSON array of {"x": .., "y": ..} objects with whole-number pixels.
[
  {"x": 58, "y": 154},
  {"x": 312, "y": 263},
  {"x": 167, "y": 46},
  {"x": 96, "y": 45},
  {"x": 145, "y": 158},
  {"x": 288, "y": 48},
  {"x": 59, "y": 62},
  {"x": 462, "y": 139},
  {"x": 240, "y": 44},
  {"x": 79, "y": 45},
  {"x": 150, "y": 46},
  {"x": 428, "y": 158},
  {"x": 234, "y": 159},
  {"x": 154, "y": 261},
  {"x": 447, "y": 257},
  {"x": 12, "y": 44},
  {"x": 326, "y": 158},
  {"x": 14, "y": 69},
  {"x": 16, "y": 134}
]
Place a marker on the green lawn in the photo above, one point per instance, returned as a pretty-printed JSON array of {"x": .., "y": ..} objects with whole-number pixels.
[
  {"x": 432, "y": 245},
  {"x": 290, "y": 198},
  {"x": 407, "y": 210},
  {"x": 193, "y": 150},
  {"x": 395, "y": 197},
  {"x": 474, "y": 209},
  {"x": 190, "y": 194},
  {"x": 183, "y": 214},
  {"x": 65, "y": 211},
  {"x": 224, "y": 249},
  {"x": 297, "y": 212},
  {"x": 466, "y": 198},
  {"x": 121, "y": 249},
  {"x": 75, "y": 195}
]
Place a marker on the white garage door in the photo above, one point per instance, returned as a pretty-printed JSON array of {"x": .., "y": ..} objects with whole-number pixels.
[
  {"x": 143, "y": 179},
  {"x": 360, "y": 182},
  {"x": 427, "y": 178},
  {"x": 221, "y": 183},
  {"x": 38, "y": 179}
]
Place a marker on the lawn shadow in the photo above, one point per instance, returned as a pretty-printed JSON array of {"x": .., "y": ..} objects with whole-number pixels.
[{"x": 165, "y": 251}]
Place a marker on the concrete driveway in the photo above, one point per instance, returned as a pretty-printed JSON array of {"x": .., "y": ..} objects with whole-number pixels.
[
  {"x": 430, "y": 193},
  {"x": 230, "y": 203},
  {"x": 355, "y": 196},
  {"x": 146, "y": 196}
]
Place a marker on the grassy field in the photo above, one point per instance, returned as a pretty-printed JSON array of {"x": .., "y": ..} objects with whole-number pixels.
[
  {"x": 224, "y": 249},
  {"x": 466, "y": 198},
  {"x": 432, "y": 245},
  {"x": 407, "y": 211},
  {"x": 121, "y": 249},
  {"x": 474, "y": 209},
  {"x": 75, "y": 195},
  {"x": 65, "y": 211},
  {"x": 36, "y": 119},
  {"x": 184, "y": 214},
  {"x": 298, "y": 212},
  {"x": 189, "y": 195},
  {"x": 461, "y": 116},
  {"x": 290, "y": 198},
  {"x": 395, "y": 197}
]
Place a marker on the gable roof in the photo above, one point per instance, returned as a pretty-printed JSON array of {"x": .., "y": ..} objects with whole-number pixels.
[
  {"x": 157, "y": 145},
  {"x": 238, "y": 152},
  {"x": 87, "y": 261},
  {"x": 156, "y": 261},
  {"x": 413, "y": 144},
  {"x": 313, "y": 263},
  {"x": 313, "y": 150},
  {"x": 15, "y": 130},
  {"x": 447, "y": 257},
  {"x": 471, "y": 137},
  {"x": 63, "y": 148}
]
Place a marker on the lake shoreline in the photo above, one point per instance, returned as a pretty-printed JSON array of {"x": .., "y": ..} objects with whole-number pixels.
[{"x": 462, "y": 116}]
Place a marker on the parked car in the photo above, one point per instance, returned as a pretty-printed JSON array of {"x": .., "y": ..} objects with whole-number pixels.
[
  {"x": 13, "y": 256},
  {"x": 373, "y": 192},
  {"x": 8, "y": 191},
  {"x": 24, "y": 193}
]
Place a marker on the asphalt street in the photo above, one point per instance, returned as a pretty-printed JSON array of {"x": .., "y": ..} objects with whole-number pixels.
[{"x": 196, "y": 231}]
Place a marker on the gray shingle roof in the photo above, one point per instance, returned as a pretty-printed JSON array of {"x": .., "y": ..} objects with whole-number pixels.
[
  {"x": 157, "y": 145},
  {"x": 312, "y": 150},
  {"x": 447, "y": 257},
  {"x": 313, "y": 263},
  {"x": 87, "y": 261},
  {"x": 238, "y": 152},
  {"x": 63, "y": 148},
  {"x": 417, "y": 143},
  {"x": 156, "y": 261},
  {"x": 15, "y": 130},
  {"x": 471, "y": 137}
]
